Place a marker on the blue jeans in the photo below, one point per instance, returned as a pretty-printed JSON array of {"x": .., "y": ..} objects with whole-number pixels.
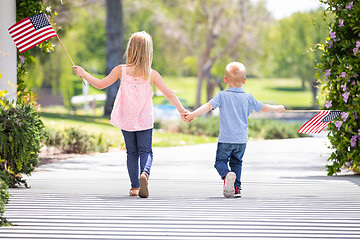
[
  {"x": 138, "y": 146},
  {"x": 230, "y": 153}
]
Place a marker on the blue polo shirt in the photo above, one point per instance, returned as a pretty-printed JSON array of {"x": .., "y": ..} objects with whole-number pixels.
[{"x": 235, "y": 106}]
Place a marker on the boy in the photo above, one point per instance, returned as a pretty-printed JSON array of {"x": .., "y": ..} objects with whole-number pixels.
[{"x": 235, "y": 106}]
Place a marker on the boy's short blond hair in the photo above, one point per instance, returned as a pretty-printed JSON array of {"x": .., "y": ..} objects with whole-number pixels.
[{"x": 235, "y": 72}]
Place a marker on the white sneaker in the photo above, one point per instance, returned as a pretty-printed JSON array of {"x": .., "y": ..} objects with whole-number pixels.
[{"x": 229, "y": 189}]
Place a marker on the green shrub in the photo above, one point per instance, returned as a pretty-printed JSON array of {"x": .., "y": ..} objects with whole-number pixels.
[
  {"x": 74, "y": 140},
  {"x": 21, "y": 132},
  {"x": 4, "y": 199},
  {"x": 339, "y": 70},
  {"x": 77, "y": 141},
  {"x": 258, "y": 128},
  {"x": 201, "y": 126},
  {"x": 273, "y": 129}
]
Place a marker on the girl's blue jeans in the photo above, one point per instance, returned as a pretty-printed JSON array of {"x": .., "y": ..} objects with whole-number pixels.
[
  {"x": 138, "y": 147},
  {"x": 230, "y": 154}
]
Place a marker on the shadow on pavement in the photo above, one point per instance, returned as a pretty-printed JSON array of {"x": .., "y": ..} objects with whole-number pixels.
[{"x": 347, "y": 177}]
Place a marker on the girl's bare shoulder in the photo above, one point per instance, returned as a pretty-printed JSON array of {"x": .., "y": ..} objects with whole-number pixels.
[
  {"x": 154, "y": 75},
  {"x": 118, "y": 69}
]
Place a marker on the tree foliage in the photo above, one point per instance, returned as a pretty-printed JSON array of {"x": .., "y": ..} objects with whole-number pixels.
[
  {"x": 290, "y": 47},
  {"x": 4, "y": 199},
  {"x": 26, "y": 9},
  {"x": 179, "y": 42},
  {"x": 213, "y": 34},
  {"x": 340, "y": 69}
]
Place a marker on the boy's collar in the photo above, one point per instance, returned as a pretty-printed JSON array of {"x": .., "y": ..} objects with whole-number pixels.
[{"x": 235, "y": 89}]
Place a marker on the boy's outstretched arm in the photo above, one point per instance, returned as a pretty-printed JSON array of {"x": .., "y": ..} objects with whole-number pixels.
[
  {"x": 201, "y": 110},
  {"x": 273, "y": 108}
]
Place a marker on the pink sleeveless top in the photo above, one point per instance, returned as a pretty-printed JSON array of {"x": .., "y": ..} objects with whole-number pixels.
[{"x": 133, "y": 109}]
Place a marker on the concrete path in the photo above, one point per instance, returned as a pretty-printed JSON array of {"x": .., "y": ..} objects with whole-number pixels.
[{"x": 286, "y": 195}]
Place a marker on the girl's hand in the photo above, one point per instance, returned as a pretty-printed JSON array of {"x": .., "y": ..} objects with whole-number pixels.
[
  {"x": 183, "y": 114},
  {"x": 188, "y": 117},
  {"x": 79, "y": 71}
]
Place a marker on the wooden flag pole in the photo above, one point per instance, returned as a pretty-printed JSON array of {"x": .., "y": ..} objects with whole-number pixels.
[
  {"x": 305, "y": 111},
  {"x": 302, "y": 111},
  {"x": 69, "y": 57}
]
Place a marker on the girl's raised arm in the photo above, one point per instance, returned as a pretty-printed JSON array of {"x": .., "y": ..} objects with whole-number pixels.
[
  {"x": 170, "y": 95},
  {"x": 99, "y": 84}
]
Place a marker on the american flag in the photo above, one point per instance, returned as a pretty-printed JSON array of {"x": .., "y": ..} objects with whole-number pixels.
[
  {"x": 319, "y": 121},
  {"x": 31, "y": 31}
]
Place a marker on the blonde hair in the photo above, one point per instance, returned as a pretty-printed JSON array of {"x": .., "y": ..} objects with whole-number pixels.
[
  {"x": 235, "y": 72},
  {"x": 139, "y": 53}
]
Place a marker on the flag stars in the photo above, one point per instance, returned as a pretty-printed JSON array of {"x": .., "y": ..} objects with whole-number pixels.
[{"x": 39, "y": 21}]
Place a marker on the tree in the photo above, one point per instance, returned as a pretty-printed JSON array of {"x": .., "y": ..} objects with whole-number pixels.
[
  {"x": 223, "y": 25},
  {"x": 114, "y": 47},
  {"x": 339, "y": 71},
  {"x": 290, "y": 48},
  {"x": 213, "y": 33}
]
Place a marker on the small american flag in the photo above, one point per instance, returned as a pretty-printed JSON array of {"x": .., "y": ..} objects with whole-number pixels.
[
  {"x": 31, "y": 31},
  {"x": 319, "y": 122}
]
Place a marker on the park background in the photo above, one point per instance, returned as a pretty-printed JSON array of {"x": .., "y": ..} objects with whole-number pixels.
[
  {"x": 190, "y": 53},
  {"x": 288, "y": 60}
]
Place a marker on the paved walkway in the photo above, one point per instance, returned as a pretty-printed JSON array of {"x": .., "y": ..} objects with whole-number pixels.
[{"x": 286, "y": 195}]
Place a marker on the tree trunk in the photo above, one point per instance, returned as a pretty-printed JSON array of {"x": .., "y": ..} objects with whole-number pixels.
[
  {"x": 314, "y": 90},
  {"x": 198, "y": 89},
  {"x": 114, "y": 47}
]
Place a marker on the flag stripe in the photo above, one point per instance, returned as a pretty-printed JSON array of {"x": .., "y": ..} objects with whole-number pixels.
[
  {"x": 27, "y": 47},
  {"x": 27, "y": 32},
  {"x": 321, "y": 127},
  {"x": 20, "y": 30},
  {"x": 31, "y": 31},
  {"x": 312, "y": 128},
  {"x": 317, "y": 127},
  {"x": 22, "y": 33},
  {"x": 317, "y": 123},
  {"x": 18, "y": 24},
  {"x": 306, "y": 128},
  {"x": 33, "y": 36}
]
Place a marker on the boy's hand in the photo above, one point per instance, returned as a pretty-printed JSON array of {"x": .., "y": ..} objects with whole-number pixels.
[
  {"x": 280, "y": 109},
  {"x": 183, "y": 114},
  {"x": 79, "y": 71},
  {"x": 188, "y": 117}
]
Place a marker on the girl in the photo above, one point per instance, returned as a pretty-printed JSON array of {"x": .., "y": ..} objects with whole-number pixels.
[{"x": 133, "y": 111}]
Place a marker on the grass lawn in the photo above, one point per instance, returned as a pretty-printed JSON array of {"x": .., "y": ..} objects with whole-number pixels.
[
  {"x": 274, "y": 91},
  {"x": 100, "y": 125},
  {"x": 287, "y": 92}
]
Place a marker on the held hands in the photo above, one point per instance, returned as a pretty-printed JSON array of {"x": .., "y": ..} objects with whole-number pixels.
[
  {"x": 79, "y": 71},
  {"x": 186, "y": 116}
]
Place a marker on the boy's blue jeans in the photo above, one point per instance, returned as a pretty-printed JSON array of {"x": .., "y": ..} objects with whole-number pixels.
[
  {"x": 138, "y": 146},
  {"x": 230, "y": 153}
]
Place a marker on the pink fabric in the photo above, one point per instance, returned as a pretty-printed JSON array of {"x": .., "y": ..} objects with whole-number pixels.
[{"x": 133, "y": 109}]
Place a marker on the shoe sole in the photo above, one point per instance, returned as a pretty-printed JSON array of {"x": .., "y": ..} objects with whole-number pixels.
[
  {"x": 229, "y": 189},
  {"x": 237, "y": 195},
  {"x": 144, "y": 191}
]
